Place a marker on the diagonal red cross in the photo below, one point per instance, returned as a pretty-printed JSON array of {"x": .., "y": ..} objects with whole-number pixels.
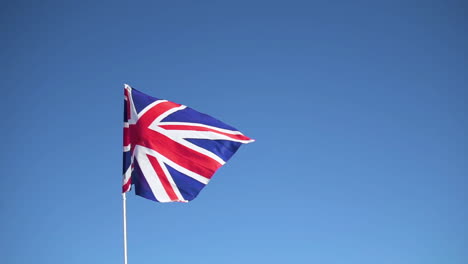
[{"x": 141, "y": 134}]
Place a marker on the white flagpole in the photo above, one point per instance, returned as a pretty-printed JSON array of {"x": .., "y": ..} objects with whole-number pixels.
[{"x": 124, "y": 203}]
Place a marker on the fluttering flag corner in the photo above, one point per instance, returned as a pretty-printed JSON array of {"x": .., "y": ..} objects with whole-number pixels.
[{"x": 171, "y": 151}]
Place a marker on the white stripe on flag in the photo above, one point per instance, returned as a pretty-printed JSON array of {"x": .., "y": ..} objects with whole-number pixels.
[
  {"x": 150, "y": 174},
  {"x": 176, "y": 137},
  {"x": 171, "y": 181},
  {"x": 232, "y": 132},
  {"x": 176, "y": 166},
  {"x": 148, "y": 107},
  {"x": 167, "y": 113}
]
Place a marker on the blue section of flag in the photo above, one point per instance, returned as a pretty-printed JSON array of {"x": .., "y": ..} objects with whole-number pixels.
[
  {"x": 193, "y": 116},
  {"x": 127, "y": 159},
  {"x": 125, "y": 112},
  {"x": 188, "y": 187},
  {"x": 142, "y": 187},
  {"x": 141, "y": 100},
  {"x": 222, "y": 148}
]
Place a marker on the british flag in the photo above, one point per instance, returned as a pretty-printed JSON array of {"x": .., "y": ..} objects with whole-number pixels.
[{"x": 170, "y": 150}]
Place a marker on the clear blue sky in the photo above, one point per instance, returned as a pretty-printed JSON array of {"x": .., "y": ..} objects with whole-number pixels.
[{"x": 359, "y": 111}]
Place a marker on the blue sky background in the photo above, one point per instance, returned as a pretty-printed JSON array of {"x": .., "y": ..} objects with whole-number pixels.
[{"x": 358, "y": 108}]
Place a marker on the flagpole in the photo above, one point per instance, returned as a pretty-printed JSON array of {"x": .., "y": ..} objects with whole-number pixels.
[{"x": 124, "y": 204}]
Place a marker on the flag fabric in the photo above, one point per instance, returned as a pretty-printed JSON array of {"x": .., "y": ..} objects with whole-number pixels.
[{"x": 171, "y": 151}]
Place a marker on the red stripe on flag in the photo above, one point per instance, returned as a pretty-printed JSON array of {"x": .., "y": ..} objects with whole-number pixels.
[
  {"x": 159, "y": 109},
  {"x": 190, "y": 159},
  {"x": 198, "y": 128},
  {"x": 126, "y": 186},
  {"x": 126, "y": 136},
  {"x": 163, "y": 178},
  {"x": 127, "y": 103},
  {"x": 180, "y": 154}
]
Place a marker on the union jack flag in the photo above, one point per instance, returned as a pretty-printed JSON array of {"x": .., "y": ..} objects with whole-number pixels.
[{"x": 170, "y": 150}]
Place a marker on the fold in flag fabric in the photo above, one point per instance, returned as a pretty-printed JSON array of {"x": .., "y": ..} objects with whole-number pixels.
[{"x": 171, "y": 151}]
